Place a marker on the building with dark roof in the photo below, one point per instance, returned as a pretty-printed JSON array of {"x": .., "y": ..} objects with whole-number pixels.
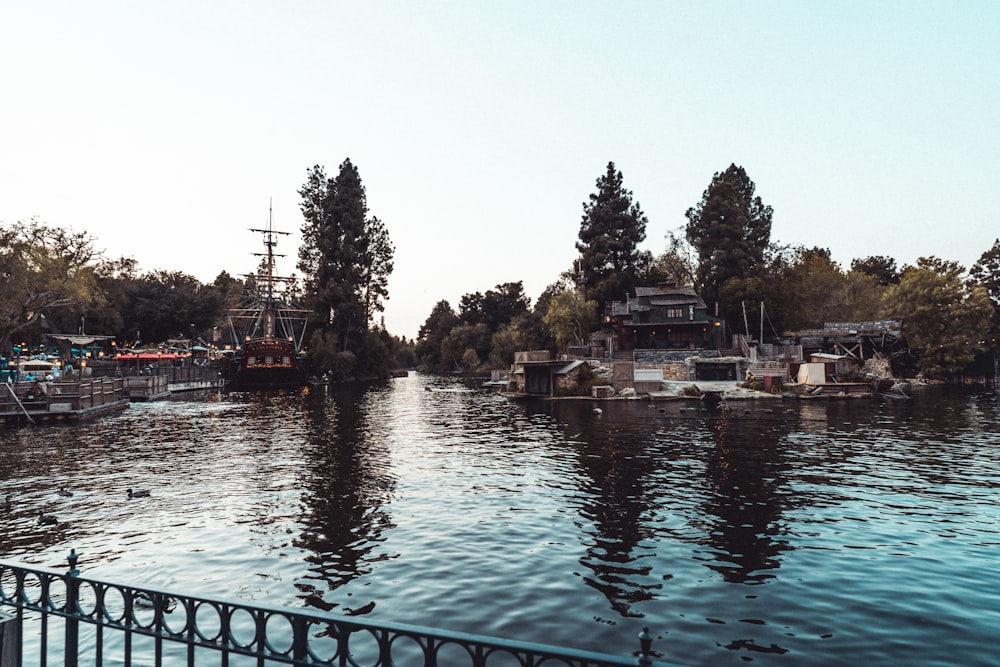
[{"x": 666, "y": 317}]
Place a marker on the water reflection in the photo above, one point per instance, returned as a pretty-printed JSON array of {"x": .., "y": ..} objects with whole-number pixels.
[
  {"x": 836, "y": 532},
  {"x": 347, "y": 481},
  {"x": 742, "y": 516},
  {"x": 615, "y": 462}
]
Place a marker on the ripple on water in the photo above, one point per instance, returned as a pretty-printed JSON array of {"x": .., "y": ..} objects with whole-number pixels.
[{"x": 840, "y": 533}]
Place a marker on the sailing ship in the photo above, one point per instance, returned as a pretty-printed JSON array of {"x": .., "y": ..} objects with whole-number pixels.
[{"x": 268, "y": 330}]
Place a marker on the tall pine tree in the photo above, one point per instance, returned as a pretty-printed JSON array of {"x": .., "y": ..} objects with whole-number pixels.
[
  {"x": 730, "y": 229},
  {"x": 346, "y": 258},
  {"x": 612, "y": 228}
]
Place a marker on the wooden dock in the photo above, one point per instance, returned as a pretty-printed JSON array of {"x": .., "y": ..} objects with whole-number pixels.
[{"x": 60, "y": 401}]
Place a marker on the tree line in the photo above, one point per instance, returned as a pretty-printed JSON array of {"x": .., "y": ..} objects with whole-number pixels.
[
  {"x": 55, "y": 280},
  {"x": 949, "y": 315}
]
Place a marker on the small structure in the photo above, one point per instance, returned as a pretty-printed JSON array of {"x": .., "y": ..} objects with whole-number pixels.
[
  {"x": 537, "y": 374},
  {"x": 859, "y": 340},
  {"x": 647, "y": 380},
  {"x": 837, "y": 366}
]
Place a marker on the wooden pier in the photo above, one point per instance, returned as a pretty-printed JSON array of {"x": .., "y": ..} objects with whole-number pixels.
[
  {"x": 147, "y": 387},
  {"x": 60, "y": 401}
]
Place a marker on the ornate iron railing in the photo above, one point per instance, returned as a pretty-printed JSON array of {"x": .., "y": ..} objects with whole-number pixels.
[{"x": 109, "y": 623}]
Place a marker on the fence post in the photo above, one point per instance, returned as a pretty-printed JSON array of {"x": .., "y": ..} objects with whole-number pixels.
[
  {"x": 645, "y": 648},
  {"x": 72, "y": 609},
  {"x": 10, "y": 640}
]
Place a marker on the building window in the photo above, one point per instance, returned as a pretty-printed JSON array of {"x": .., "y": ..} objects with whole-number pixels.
[{"x": 675, "y": 313}]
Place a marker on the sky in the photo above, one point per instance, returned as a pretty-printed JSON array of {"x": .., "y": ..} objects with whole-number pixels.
[{"x": 166, "y": 130}]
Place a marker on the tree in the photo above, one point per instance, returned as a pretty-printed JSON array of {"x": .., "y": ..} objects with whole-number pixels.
[
  {"x": 943, "y": 316},
  {"x": 376, "y": 267},
  {"x": 433, "y": 331},
  {"x": 496, "y": 308},
  {"x": 465, "y": 347},
  {"x": 115, "y": 280},
  {"x": 612, "y": 228},
  {"x": 880, "y": 267},
  {"x": 346, "y": 258},
  {"x": 570, "y": 318},
  {"x": 509, "y": 340},
  {"x": 168, "y": 304},
  {"x": 44, "y": 269},
  {"x": 676, "y": 263},
  {"x": 986, "y": 273},
  {"x": 730, "y": 229}
]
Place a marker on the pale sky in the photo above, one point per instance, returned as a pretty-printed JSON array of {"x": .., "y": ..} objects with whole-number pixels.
[{"x": 479, "y": 128}]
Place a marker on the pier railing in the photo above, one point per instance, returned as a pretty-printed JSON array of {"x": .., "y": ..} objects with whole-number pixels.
[
  {"x": 59, "y": 400},
  {"x": 48, "y": 617}
]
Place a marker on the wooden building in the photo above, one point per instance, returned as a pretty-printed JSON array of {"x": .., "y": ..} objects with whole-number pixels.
[{"x": 665, "y": 317}]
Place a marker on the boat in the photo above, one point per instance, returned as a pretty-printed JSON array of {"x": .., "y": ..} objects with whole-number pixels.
[{"x": 268, "y": 329}]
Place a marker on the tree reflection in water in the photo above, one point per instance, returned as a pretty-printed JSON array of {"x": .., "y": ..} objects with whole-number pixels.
[
  {"x": 615, "y": 461},
  {"x": 746, "y": 476},
  {"x": 346, "y": 483}
]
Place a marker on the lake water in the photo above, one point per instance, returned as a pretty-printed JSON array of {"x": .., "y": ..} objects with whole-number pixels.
[{"x": 778, "y": 532}]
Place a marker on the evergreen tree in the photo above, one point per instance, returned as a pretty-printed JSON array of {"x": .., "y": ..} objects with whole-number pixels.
[
  {"x": 880, "y": 267},
  {"x": 346, "y": 258},
  {"x": 730, "y": 230},
  {"x": 612, "y": 228}
]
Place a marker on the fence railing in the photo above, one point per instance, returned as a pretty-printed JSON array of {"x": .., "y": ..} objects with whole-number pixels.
[
  {"x": 109, "y": 623},
  {"x": 68, "y": 394}
]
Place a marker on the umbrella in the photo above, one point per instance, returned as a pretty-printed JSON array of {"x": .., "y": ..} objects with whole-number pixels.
[{"x": 37, "y": 365}]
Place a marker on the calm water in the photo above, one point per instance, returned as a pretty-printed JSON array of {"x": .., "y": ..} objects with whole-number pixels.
[{"x": 780, "y": 533}]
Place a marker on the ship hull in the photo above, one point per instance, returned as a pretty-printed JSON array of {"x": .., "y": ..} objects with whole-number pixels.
[{"x": 268, "y": 364}]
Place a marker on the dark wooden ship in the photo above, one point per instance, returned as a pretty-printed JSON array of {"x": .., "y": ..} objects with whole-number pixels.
[{"x": 268, "y": 330}]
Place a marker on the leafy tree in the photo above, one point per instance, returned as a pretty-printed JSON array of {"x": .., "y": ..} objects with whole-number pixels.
[
  {"x": 863, "y": 293},
  {"x": 730, "y": 229},
  {"x": 570, "y": 318},
  {"x": 346, "y": 258},
  {"x": 432, "y": 334},
  {"x": 497, "y": 307},
  {"x": 880, "y": 267},
  {"x": 229, "y": 292},
  {"x": 986, "y": 272},
  {"x": 612, "y": 228},
  {"x": 44, "y": 270},
  {"x": 814, "y": 288},
  {"x": 465, "y": 347},
  {"x": 509, "y": 340},
  {"x": 943, "y": 316},
  {"x": 115, "y": 280},
  {"x": 676, "y": 264},
  {"x": 168, "y": 304},
  {"x": 803, "y": 288}
]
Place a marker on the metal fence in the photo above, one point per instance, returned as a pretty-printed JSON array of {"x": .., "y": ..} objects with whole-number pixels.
[{"x": 49, "y": 618}]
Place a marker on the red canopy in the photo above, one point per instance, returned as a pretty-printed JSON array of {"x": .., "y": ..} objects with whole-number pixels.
[{"x": 149, "y": 356}]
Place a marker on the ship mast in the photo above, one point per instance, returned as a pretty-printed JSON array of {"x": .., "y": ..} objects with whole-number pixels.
[{"x": 270, "y": 243}]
